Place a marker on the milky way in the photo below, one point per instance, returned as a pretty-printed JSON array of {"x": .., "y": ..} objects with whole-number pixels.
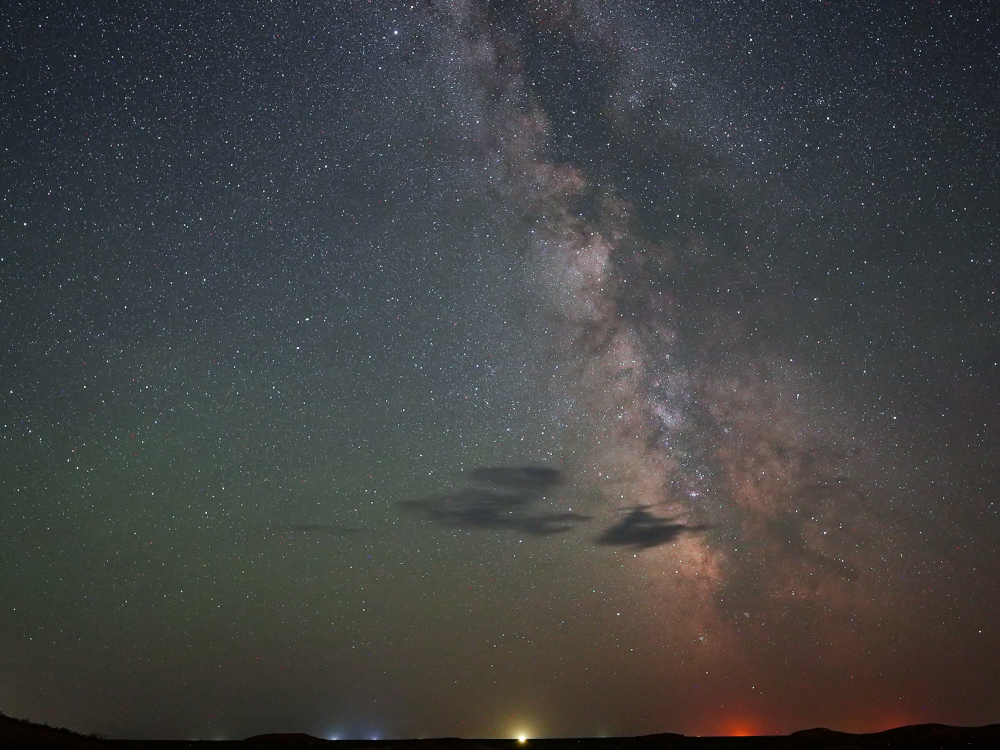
[
  {"x": 669, "y": 403},
  {"x": 684, "y": 405}
]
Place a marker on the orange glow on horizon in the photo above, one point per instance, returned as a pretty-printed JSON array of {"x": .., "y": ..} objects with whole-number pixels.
[
  {"x": 749, "y": 727},
  {"x": 738, "y": 728}
]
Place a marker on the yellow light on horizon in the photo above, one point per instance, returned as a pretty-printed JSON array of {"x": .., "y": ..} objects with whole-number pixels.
[{"x": 522, "y": 738}]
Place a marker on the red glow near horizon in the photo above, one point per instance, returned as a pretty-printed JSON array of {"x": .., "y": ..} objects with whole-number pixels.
[
  {"x": 743, "y": 726},
  {"x": 738, "y": 728}
]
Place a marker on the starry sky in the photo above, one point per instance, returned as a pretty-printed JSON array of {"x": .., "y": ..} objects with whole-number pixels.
[{"x": 473, "y": 368}]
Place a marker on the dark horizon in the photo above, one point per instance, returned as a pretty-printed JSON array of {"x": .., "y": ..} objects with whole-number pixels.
[
  {"x": 474, "y": 368},
  {"x": 22, "y": 732}
]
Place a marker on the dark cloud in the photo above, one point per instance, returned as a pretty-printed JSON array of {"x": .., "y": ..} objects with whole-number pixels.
[
  {"x": 484, "y": 509},
  {"x": 641, "y": 529},
  {"x": 512, "y": 506}
]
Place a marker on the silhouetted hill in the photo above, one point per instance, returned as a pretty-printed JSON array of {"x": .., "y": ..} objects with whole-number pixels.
[
  {"x": 299, "y": 739},
  {"x": 819, "y": 737},
  {"x": 938, "y": 735},
  {"x": 18, "y": 733}
]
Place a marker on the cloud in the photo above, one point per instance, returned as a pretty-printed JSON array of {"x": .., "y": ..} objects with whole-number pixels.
[
  {"x": 510, "y": 504},
  {"x": 642, "y": 530}
]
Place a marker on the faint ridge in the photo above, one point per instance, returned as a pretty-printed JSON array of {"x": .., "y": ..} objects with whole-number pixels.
[
  {"x": 820, "y": 736},
  {"x": 660, "y": 737},
  {"x": 25, "y": 733},
  {"x": 287, "y": 738},
  {"x": 18, "y": 733},
  {"x": 941, "y": 732}
]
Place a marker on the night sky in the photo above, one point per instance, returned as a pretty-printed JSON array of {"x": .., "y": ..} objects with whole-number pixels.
[{"x": 483, "y": 368}]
